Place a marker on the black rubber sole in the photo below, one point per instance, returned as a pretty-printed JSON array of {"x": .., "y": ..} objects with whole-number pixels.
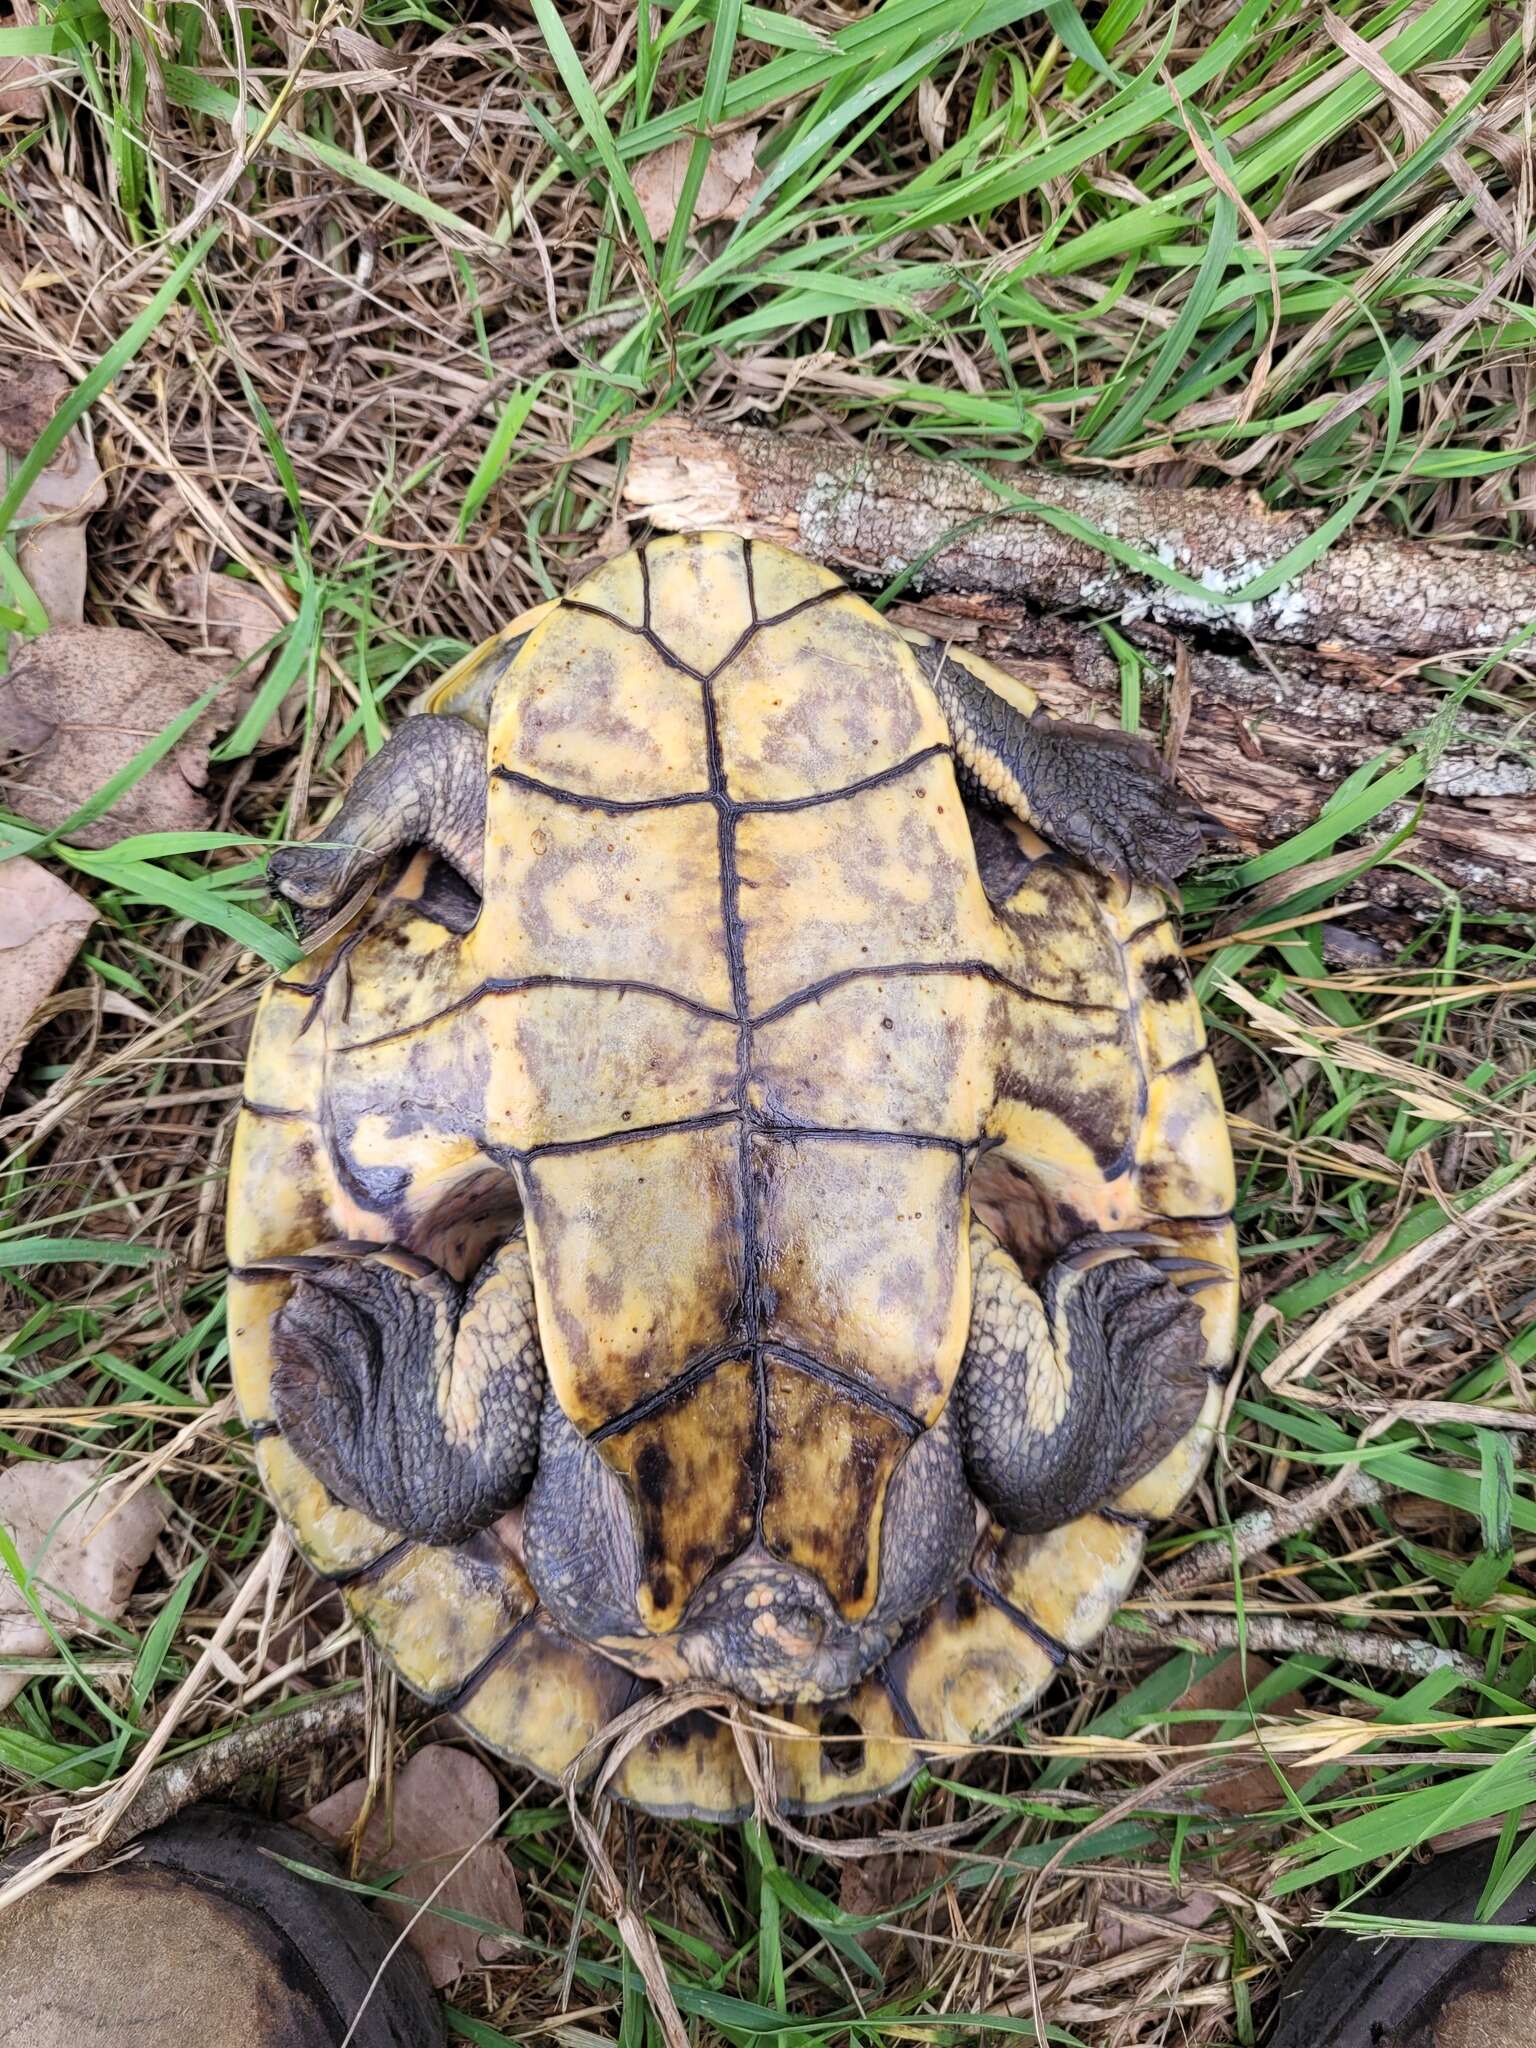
[{"x": 204, "y": 1940}]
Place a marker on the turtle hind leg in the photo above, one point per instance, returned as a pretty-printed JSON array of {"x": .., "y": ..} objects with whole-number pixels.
[
  {"x": 1067, "y": 1396},
  {"x": 1101, "y": 796},
  {"x": 410, "y": 1397},
  {"x": 424, "y": 787}
]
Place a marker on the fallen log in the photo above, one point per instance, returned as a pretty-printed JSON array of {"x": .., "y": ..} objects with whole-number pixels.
[
  {"x": 1265, "y": 729},
  {"x": 874, "y": 514}
]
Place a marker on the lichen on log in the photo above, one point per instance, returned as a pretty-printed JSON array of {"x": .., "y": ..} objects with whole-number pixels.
[{"x": 875, "y": 514}]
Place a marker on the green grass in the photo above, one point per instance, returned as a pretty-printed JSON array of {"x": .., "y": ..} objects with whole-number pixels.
[{"x": 1202, "y": 245}]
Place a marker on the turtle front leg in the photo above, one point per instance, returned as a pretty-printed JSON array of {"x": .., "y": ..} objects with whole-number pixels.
[
  {"x": 1099, "y": 795},
  {"x": 1068, "y": 1396},
  {"x": 424, "y": 787},
  {"x": 409, "y": 1396}
]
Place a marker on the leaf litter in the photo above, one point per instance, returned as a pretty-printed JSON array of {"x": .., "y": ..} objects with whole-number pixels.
[
  {"x": 432, "y": 1826},
  {"x": 82, "y": 1536}
]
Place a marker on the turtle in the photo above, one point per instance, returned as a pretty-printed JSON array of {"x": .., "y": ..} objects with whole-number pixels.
[{"x": 736, "y": 1194}]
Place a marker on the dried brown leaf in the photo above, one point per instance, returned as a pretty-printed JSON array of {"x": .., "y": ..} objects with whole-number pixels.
[
  {"x": 731, "y": 178},
  {"x": 879, "y": 1886},
  {"x": 239, "y": 618},
  {"x": 51, "y": 552},
  {"x": 42, "y": 925},
  {"x": 84, "y": 1537},
  {"x": 1247, "y": 1787},
  {"x": 445, "y": 1803},
  {"x": 77, "y": 705},
  {"x": 1133, "y": 1912}
]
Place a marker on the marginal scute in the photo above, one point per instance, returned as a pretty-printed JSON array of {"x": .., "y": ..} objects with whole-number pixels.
[
  {"x": 332, "y": 1539},
  {"x": 1069, "y": 1581},
  {"x": 286, "y": 1059},
  {"x": 852, "y": 1748},
  {"x": 1161, "y": 1492},
  {"x": 438, "y": 1613},
  {"x": 968, "y": 1669},
  {"x": 280, "y": 1161},
  {"x": 1183, "y": 1154},
  {"x": 546, "y": 1701},
  {"x": 687, "y": 1769}
]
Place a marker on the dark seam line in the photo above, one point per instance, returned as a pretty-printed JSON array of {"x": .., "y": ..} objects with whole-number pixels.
[
  {"x": 1151, "y": 925},
  {"x": 983, "y": 968},
  {"x": 1121, "y": 1520},
  {"x": 793, "y": 1132},
  {"x": 260, "y": 1432},
  {"x": 580, "y": 800},
  {"x": 832, "y": 796},
  {"x": 706, "y": 1122},
  {"x": 657, "y": 645},
  {"x": 270, "y": 1109},
  {"x": 360, "y": 1574},
  {"x": 746, "y": 1185},
  {"x": 299, "y": 988},
  {"x": 1216, "y": 1216},
  {"x": 1221, "y": 1375},
  {"x": 712, "y": 1119},
  {"x": 813, "y": 1368},
  {"x": 1190, "y": 1061},
  {"x": 645, "y": 631},
  {"x": 898, "y": 1699},
  {"x": 518, "y": 984},
  {"x": 675, "y": 1390},
  {"x": 803, "y": 604},
  {"x": 636, "y": 1689},
  {"x": 749, "y": 1307},
  {"x": 454, "y": 1702},
  {"x": 1057, "y": 1652}
]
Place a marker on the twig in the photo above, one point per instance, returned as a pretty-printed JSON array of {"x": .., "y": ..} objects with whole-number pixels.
[
  {"x": 214, "y": 1769},
  {"x": 99, "y": 1818},
  {"x": 1281, "y": 1636},
  {"x": 1261, "y": 1530}
]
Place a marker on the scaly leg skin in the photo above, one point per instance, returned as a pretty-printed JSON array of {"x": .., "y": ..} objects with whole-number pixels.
[
  {"x": 1068, "y": 1396},
  {"x": 1099, "y": 795},
  {"x": 424, "y": 787},
  {"x": 409, "y": 1396}
]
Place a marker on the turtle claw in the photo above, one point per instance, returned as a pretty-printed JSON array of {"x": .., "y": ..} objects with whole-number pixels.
[
  {"x": 1098, "y": 1247},
  {"x": 1190, "y": 1274}
]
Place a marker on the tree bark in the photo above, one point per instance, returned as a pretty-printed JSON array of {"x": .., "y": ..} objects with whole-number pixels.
[
  {"x": 874, "y": 514},
  {"x": 1262, "y": 735}
]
